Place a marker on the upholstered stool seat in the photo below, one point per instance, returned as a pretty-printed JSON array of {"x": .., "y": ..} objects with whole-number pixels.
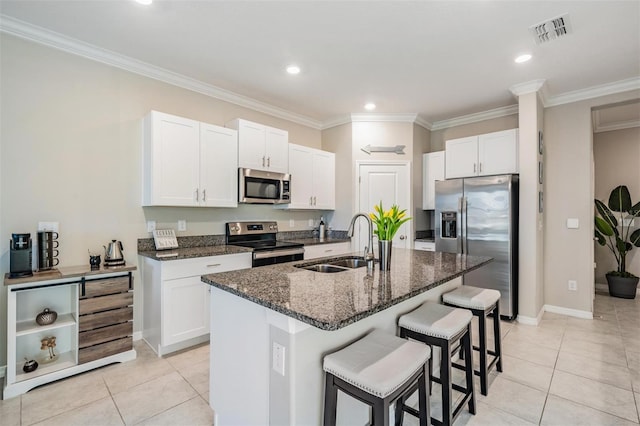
[
  {"x": 443, "y": 326},
  {"x": 377, "y": 369},
  {"x": 482, "y": 302}
]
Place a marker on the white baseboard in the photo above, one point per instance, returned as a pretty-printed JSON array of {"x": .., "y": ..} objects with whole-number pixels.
[
  {"x": 568, "y": 311},
  {"x": 137, "y": 335},
  {"x": 531, "y": 320},
  {"x": 3, "y": 370}
]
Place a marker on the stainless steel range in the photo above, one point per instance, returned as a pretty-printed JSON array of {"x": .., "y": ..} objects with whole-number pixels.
[{"x": 261, "y": 237}]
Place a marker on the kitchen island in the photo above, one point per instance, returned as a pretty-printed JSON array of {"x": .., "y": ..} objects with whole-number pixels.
[{"x": 271, "y": 327}]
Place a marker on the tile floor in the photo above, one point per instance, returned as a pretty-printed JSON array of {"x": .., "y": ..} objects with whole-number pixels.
[{"x": 566, "y": 371}]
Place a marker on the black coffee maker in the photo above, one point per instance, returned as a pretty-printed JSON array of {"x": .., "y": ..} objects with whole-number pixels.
[{"x": 20, "y": 261}]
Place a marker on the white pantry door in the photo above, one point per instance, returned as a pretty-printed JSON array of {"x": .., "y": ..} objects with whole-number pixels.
[{"x": 389, "y": 183}]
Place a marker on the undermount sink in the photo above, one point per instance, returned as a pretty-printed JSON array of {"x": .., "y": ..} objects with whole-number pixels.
[
  {"x": 326, "y": 268},
  {"x": 336, "y": 265}
]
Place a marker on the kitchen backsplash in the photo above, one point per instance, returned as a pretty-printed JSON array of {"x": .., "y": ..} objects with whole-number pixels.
[{"x": 147, "y": 244}]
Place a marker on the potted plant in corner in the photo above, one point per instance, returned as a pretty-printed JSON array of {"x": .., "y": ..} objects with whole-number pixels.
[{"x": 615, "y": 233}]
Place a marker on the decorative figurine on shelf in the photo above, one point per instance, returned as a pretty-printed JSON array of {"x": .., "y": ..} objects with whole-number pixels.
[
  {"x": 29, "y": 365},
  {"x": 46, "y": 317},
  {"x": 48, "y": 343}
]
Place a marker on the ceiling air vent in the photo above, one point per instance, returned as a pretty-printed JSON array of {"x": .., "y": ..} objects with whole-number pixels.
[{"x": 551, "y": 29}]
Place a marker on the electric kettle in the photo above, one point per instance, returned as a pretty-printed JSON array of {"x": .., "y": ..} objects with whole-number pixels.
[{"x": 113, "y": 254}]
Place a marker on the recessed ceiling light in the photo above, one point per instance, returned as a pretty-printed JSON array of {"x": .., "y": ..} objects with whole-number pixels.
[
  {"x": 523, "y": 58},
  {"x": 370, "y": 106},
  {"x": 293, "y": 69}
]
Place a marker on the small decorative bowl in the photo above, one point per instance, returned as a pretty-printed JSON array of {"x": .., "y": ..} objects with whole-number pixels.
[
  {"x": 46, "y": 317},
  {"x": 30, "y": 366}
]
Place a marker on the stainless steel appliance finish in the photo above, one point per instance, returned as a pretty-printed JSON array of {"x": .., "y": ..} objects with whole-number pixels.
[
  {"x": 479, "y": 216},
  {"x": 261, "y": 237},
  {"x": 113, "y": 255},
  {"x": 260, "y": 187}
]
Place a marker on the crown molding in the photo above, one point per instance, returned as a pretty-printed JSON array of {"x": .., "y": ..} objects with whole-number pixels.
[
  {"x": 424, "y": 123},
  {"x": 594, "y": 92},
  {"x": 336, "y": 121},
  {"x": 394, "y": 117},
  {"x": 599, "y": 127},
  {"x": 58, "y": 41},
  {"x": 474, "y": 118}
]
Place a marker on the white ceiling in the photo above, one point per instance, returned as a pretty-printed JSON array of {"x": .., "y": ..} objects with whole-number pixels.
[{"x": 439, "y": 59}]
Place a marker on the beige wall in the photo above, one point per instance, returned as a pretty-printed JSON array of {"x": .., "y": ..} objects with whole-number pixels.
[
  {"x": 338, "y": 140},
  {"x": 438, "y": 137},
  {"x": 569, "y": 193},
  {"x": 616, "y": 157},
  {"x": 71, "y": 132}
]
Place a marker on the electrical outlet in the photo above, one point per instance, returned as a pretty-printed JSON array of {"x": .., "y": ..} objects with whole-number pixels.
[
  {"x": 310, "y": 223},
  {"x": 182, "y": 225},
  {"x": 151, "y": 225},
  {"x": 292, "y": 223},
  {"x": 278, "y": 358},
  {"x": 573, "y": 285}
]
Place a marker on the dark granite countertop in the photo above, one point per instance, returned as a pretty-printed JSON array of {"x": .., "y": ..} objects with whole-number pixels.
[
  {"x": 316, "y": 241},
  {"x": 193, "y": 252},
  {"x": 65, "y": 272},
  {"x": 332, "y": 301}
]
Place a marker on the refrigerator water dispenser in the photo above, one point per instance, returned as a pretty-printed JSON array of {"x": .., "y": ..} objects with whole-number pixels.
[{"x": 449, "y": 222}]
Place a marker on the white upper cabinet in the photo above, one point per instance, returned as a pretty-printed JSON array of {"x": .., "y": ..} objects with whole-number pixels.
[
  {"x": 482, "y": 155},
  {"x": 187, "y": 163},
  {"x": 261, "y": 147},
  {"x": 433, "y": 164},
  {"x": 312, "y": 179},
  {"x": 218, "y": 166}
]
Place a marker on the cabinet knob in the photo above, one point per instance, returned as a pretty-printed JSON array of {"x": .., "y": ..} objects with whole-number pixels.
[{"x": 402, "y": 237}]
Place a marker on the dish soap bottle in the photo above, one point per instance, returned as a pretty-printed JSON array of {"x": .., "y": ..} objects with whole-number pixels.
[{"x": 321, "y": 229}]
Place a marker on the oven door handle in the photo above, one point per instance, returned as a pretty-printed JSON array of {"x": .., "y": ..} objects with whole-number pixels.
[{"x": 276, "y": 253}]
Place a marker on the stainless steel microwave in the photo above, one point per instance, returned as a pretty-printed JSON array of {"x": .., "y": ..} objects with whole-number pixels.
[{"x": 261, "y": 187}]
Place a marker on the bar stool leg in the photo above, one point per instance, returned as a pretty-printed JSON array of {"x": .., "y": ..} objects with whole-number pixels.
[
  {"x": 497, "y": 336},
  {"x": 425, "y": 415},
  {"x": 445, "y": 382},
  {"x": 381, "y": 413},
  {"x": 467, "y": 344},
  {"x": 330, "y": 401},
  {"x": 482, "y": 327}
]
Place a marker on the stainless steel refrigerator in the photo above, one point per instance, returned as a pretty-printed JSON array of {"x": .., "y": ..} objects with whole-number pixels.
[{"x": 479, "y": 216}]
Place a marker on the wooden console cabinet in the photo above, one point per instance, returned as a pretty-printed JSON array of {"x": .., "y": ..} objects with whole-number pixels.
[{"x": 94, "y": 325}]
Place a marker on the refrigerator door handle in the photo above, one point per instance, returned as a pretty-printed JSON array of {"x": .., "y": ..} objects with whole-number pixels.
[
  {"x": 460, "y": 248},
  {"x": 465, "y": 215}
]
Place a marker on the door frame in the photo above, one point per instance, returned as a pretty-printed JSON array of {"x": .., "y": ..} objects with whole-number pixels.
[{"x": 356, "y": 207}]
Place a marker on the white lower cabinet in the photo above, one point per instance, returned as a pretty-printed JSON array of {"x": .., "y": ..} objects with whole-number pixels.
[
  {"x": 176, "y": 301},
  {"x": 324, "y": 250},
  {"x": 424, "y": 245}
]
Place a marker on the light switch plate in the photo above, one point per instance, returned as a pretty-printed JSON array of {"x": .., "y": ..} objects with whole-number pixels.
[
  {"x": 182, "y": 225},
  {"x": 278, "y": 358},
  {"x": 573, "y": 223},
  {"x": 151, "y": 225},
  {"x": 292, "y": 223},
  {"x": 48, "y": 226}
]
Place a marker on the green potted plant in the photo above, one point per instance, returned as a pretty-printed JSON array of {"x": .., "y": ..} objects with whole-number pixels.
[
  {"x": 386, "y": 225},
  {"x": 615, "y": 233}
]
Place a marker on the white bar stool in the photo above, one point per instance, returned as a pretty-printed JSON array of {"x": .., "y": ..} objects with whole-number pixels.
[
  {"x": 443, "y": 326},
  {"x": 482, "y": 302},
  {"x": 377, "y": 370}
]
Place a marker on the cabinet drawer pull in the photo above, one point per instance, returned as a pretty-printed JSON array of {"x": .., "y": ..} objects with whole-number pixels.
[
  {"x": 213, "y": 265},
  {"x": 268, "y": 161},
  {"x": 328, "y": 251},
  {"x": 204, "y": 195},
  {"x": 197, "y": 194},
  {"x": 263, "y": 161},
  {"x": 474, "y": 167},
  {"x": 480, "y": 167}
]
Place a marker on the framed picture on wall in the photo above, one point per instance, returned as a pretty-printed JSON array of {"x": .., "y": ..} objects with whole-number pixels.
[
  {"x": 540, "y": 202},
  {"x": 540, "y": 172},
  {"x": 540, "y": 142}
]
